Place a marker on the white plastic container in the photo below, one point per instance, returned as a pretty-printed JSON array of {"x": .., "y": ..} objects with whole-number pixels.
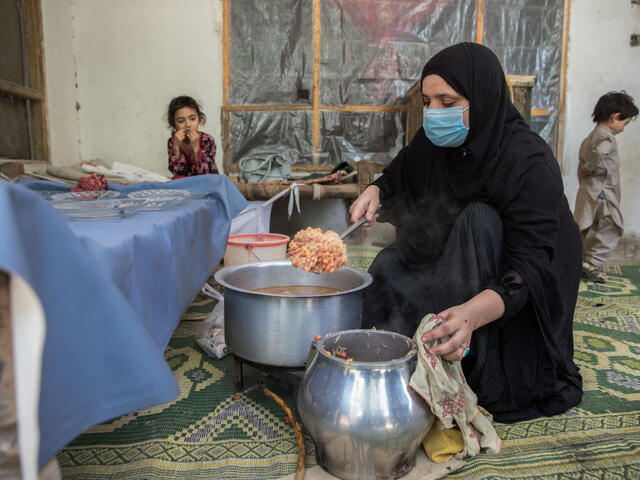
[{"x": 255, "y": 247}]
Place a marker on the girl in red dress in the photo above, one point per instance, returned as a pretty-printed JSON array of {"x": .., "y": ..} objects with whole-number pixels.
[{"x": 191, "y": 152}]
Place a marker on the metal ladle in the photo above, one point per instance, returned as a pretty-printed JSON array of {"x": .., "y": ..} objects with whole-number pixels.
[
  {"x": 355, "y": 225},
  {"x": 343, "y": 235},
  {"x": 352, "y": 227}
]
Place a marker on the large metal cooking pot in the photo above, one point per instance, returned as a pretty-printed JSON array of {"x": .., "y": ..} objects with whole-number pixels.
[
  {"x": 365, "y": 420},
  {"x": 277, "y": 330}
]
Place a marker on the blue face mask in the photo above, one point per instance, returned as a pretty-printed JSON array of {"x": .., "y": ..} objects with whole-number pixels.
[{"x": 444, "y": 126}]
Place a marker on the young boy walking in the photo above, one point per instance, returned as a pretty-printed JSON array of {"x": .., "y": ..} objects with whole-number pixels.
[{"x": 597, "y": 208}]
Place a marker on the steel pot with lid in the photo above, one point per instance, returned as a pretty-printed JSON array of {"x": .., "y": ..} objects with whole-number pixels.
[{"x": 277, "y": 329}]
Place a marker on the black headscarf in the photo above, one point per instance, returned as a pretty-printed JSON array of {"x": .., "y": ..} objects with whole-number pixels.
[
  {"x": 475, "y": 72},
  {"x": 425, "y": 186},
  {"x": 503, "y": 163}
]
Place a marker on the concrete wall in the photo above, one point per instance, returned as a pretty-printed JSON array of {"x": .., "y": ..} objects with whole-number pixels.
[
  {"x": 130, "y": 58},
  {"x": 600, "y": 59},
  {"x": 60, "y": 74}
]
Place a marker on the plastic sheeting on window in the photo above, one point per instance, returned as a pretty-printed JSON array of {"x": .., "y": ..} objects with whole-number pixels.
[
  {"x": 527, "y": 35},
  {"x": 370, "y": 54}
]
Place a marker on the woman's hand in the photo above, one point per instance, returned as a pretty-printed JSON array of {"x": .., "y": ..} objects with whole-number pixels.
[
  {"x": 460, "y": 322},
  {"x": 366, "y": 204}
]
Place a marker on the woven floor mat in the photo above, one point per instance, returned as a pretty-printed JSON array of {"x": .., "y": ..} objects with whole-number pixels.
[{"x": 211, "y": 432}]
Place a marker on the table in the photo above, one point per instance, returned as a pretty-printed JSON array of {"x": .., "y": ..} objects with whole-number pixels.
[{"x": 112, "y": 292}]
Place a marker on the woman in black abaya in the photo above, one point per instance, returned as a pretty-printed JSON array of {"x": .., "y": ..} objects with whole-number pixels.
[{"x": 485, "y": 237}]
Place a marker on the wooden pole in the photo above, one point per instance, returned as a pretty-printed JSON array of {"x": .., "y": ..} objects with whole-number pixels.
[
  {"x": 366, "y": 170},
  {"x": 264, "y": 191},
  {"x": 34, "y": 39}
]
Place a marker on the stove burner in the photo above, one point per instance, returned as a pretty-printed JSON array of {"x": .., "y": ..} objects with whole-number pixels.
[{"x": 291, "y": 375}]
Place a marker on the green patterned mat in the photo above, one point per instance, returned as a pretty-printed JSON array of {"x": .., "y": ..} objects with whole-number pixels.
[{"x": 210, "y": 432}]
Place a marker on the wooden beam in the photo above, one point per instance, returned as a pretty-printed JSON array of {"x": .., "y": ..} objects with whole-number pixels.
[
  {"x": 20, "y": 91},
  {"x": 227, "y": 158},
  {"x": 366, "y": 108},
  {"x": 480, "y": 22},
  {"x": 563, "y": 81},
  {"x": 34, "y": 44},
  {"x": 316, "y": 76},
  {"x": 296, "y": 168},
  {"x": 225, "y": 119},
  {"x": 520, "y": 86},
  {"x": 539, "y": 112},
  {"x": 345, "y": 108},
  {"x": 366, "y": 170},
  {"x": 264, "y": 191},
  {"x": 414, "y": 112},
  {"x": 263, "y": 107},
  {"x": 226, "y": 15},
  {"x": 12, "y": 169},
  {"x": 522, "y": 80}
]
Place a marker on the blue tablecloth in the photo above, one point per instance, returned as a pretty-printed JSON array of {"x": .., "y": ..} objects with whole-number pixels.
[{"x": 112, "y": 291}]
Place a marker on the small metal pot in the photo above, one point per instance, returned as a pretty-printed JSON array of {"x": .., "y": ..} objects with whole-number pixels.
[
  {"x": 364, "y": 419},
  {"x": 277, "y": 330}
]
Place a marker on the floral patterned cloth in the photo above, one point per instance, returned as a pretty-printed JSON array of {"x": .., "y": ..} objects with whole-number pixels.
[
  {"x": 186, "y": 165},
  {"x": 443, "y": 386}
]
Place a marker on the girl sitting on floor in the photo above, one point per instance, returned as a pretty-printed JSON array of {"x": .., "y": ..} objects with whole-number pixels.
[{"x": 191, "y": 152}]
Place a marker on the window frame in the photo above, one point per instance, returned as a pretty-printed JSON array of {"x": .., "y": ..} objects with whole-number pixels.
[
  {"x": 316, "y": 107},
  {"x": 35, "y": 92}
]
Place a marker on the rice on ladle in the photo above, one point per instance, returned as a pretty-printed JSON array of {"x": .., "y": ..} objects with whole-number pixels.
[{"x": 314, "y": 251}]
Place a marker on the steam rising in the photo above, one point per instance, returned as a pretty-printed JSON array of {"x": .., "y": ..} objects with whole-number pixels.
[{"x": 443, "y": 270}]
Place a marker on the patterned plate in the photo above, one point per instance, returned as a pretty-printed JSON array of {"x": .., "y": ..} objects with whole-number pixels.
[
  {"x": 160, "y": 194},
  {"x": 160, "y": 198},
  {"x": 103, "y": 209},
  {"x": 94, "y": 195}
]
